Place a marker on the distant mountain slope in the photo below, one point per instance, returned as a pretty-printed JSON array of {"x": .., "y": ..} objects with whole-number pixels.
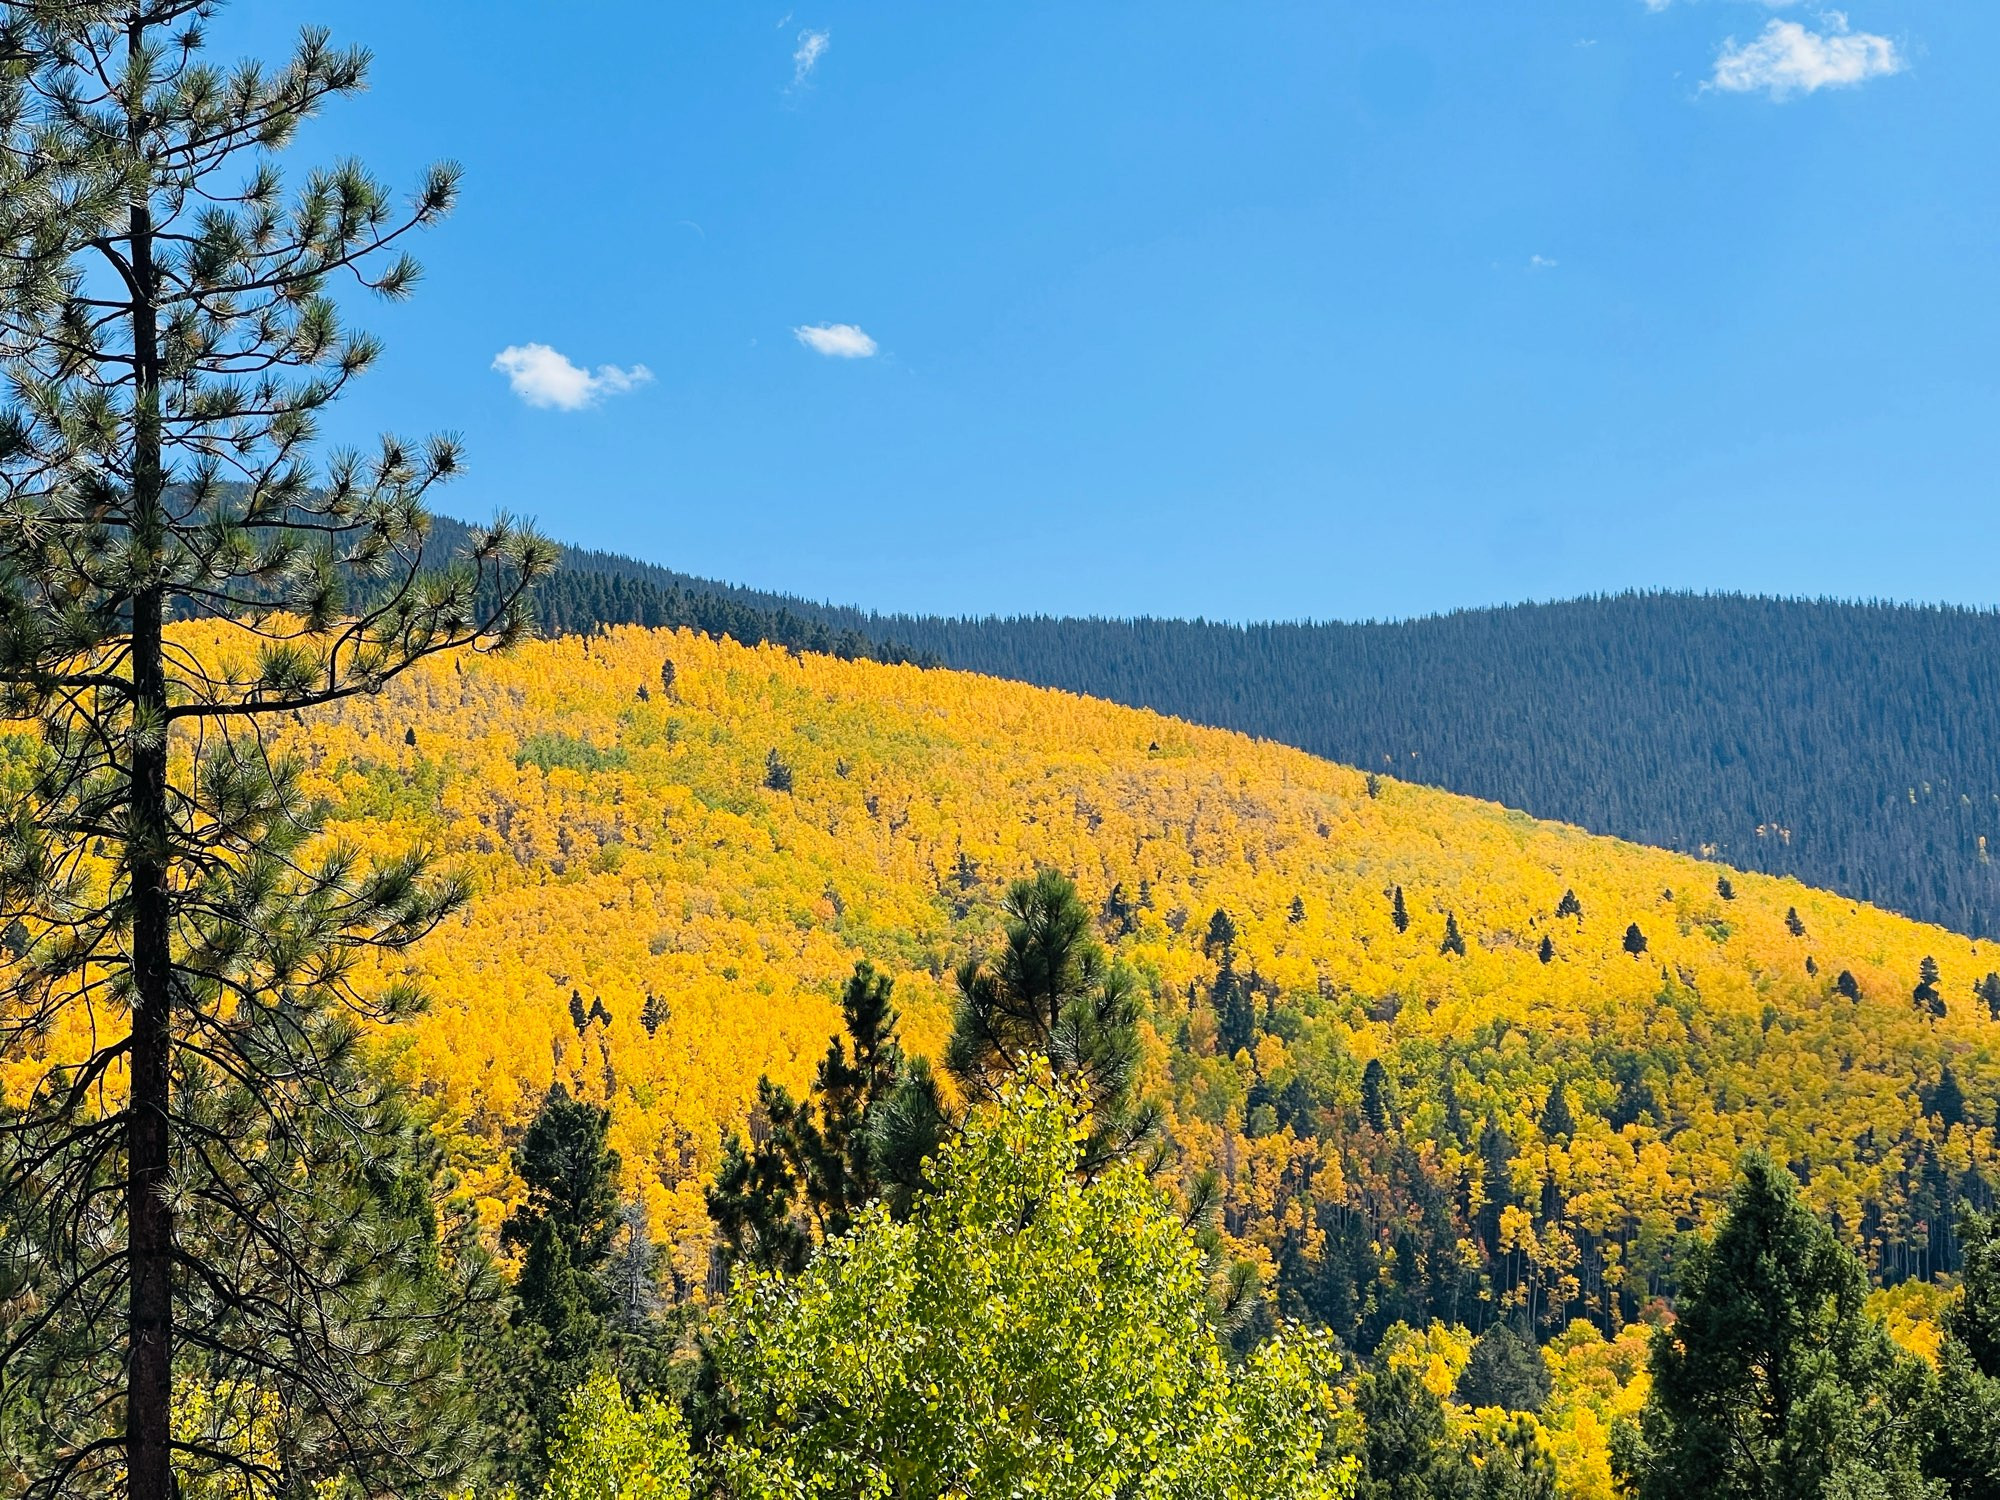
[
  {"x": 1448, "y": 1061},
  {"x": 1856, "y": 746}
]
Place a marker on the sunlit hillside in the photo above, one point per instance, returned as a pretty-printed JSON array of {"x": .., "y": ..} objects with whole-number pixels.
[{"x": 687, "y": 844}]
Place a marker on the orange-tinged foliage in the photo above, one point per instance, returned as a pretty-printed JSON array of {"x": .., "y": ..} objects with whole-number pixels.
[{"x": 626, "y": 844}]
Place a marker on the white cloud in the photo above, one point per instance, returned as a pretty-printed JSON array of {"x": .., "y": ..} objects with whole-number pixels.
[
  {"x": 542, "y": 377},
  {"x": 1542, "y": 263},
  {"x": 1789, "y": 59},
  {"x": 840, "y": 340},
  {"x": 805, "y": 57}
]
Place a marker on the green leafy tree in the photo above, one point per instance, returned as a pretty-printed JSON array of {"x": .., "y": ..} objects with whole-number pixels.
[
  {"x": 1773, "y": 1383},
  {"x": 1030, "y": 1329},
  {"x": 607, "y": 1449},
  {"x": 169, "y": 342}
]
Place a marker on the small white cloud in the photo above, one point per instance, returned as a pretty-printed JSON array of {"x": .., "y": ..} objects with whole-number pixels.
[
  {"x": 1542, "y": 263},
  {"x": 839, "y": 340},
  {"x": 805, "y": 57},
  {"x": 1789, "y": 59},
  {"x": 542, "y": 377}
]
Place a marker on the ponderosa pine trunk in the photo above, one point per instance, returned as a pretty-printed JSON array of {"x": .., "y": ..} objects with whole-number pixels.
[{"x": 149, "y": 1393}]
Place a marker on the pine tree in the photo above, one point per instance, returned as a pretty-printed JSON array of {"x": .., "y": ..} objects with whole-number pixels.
[
  {"x": 814, "y": 1171},
  {"x": 1053, "y": 993},
  {"x": 1297, "y": 914},
  {"x": 1724, "y": 889},
  {"x": 1635, "y": 940},
  {"x": 1220, "y": 939},
  {"x": 1773, "y": 1380},
  {"x": 1558, "y": 1124},
  {"x": 1504, "y": 1370},
  {"x": 777, "y": 773},
  {"x": 1398, "y": 912},
  {"x": 1453, "y": 942},
  {"x": 1926, "y": 997},
  {"x": 1375, "y": 1097},
  {"x": 564, "y": 1231},
  {"x": 1235, "y": 1013},
  {"x": 1547, "y": 952},
  {"x": 1945, "y": 1102},
  {"x": 1569, "y": 906},
  {"x": 1988, "y": 989},
  {"x": 1847, "y": 986},
  {"x": 1793, "y": 924},
  {"x": 169, "y": 341},
  {"x": 654, "y": 1013},
  {"x": 1962, "y": 1413},
  {"x": 1050, "y": 993}
]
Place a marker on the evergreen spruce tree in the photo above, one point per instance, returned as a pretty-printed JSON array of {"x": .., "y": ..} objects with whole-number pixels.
[
  {"x": 1793, "y": 924},
  {"x": 1398, "y": 912},
  {"x": 1773, "y": 1382},
  {"x": 1724, "y": 889},
  {"x": 1962, "y": 1415},
  {"x": 1454, "y": 941},
  {"x": 1558, "y": 1123},
  {"x": 169, "y": 340},
  {"x": 1635, "y": 940},
  {"x": 1235, "y": 1013},
  {"x": 1375, "y": 1097},
  {"x": 1847, "y": 986},
  {"x": 1547, "y": 952},
  {"x": 1408, "y": 1451},
  {"x": 1504, "y": 1370},
  {"x": 1988, "y": 990},
  {"x": 1569, "y": 906},
  {"x": 1926, "y": 997},
  {"x": 564, "y": 1231}
]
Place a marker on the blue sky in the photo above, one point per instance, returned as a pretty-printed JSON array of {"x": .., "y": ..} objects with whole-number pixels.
[{"x": 1244, "y": 310}]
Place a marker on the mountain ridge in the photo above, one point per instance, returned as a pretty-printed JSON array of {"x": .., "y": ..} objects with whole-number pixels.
[{"x": 1842, "y": 742}]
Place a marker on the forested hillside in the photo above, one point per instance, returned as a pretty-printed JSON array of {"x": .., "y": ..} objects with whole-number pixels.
[
  {"x": 1847, "y": 744},
  {"x": 1448, "y": 1060}
]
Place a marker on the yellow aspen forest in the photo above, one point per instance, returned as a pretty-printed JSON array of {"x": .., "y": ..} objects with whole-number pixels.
[
  {"x": 686, "y": 844},
  {"x": 680, "y": 846}
]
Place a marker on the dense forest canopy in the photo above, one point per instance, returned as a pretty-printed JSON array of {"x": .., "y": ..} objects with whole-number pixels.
[
  {"x": 1846, "y": 744},
  {"x": 1447, "y": 1061}
]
